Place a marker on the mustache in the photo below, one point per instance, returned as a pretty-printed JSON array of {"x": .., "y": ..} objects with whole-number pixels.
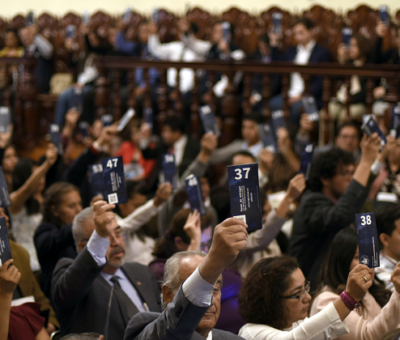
[{"x": 117, "y": 249}]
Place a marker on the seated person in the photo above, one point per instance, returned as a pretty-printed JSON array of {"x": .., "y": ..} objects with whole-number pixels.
[
  {"x": 83, "y": 336},
  {"x": 81, "y": 288},
  {"x": 357, "y": 54},
  {"x": 388, "y": 225},
  {"x": 275, "y": 299},
  {"x": 12, "y": 45},
  {"x": 378, "y": 311},
  {"x": 191, "y": 291},
  {"x": 306, "y": 51}
]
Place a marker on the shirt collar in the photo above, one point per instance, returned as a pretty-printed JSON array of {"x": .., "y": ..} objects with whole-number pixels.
[
  {"x": 181, "y": 142},
  {"x": 308, "y": 47},
  {"x": 389, "y": 262},
  {"x": 118, "y": 273}
]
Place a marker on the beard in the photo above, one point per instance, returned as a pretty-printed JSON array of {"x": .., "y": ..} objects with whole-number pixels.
[{"x": 113, "y": 262}]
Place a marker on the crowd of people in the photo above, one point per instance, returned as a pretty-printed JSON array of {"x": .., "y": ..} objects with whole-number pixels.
[{"x": 152, "y": 267}]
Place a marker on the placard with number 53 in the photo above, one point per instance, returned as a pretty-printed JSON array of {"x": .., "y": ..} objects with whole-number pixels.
[
  {"x": 114, "y": 180},
  {"x": 244, "y": 191},
  {"x": 368, "y": 243}
]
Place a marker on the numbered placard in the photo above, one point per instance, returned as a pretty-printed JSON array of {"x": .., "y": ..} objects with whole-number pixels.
[
  {"x": 5, "y": 250},
  {"x": 107, "y": 120},
  {"x": 55, "y": 137},
  {"x": 5, "y": 119},
  {"x": 310, "y": 107},
  {"x": 277, "y": 23},
  {"x": 384, "y": 15},
  {"x": 126, "y": 118},
  {"x": 278, "y": 120},
  {"x": 267, "y": 137},
  {"x": 395, "y": 126},
  {"x": 76, "y": 99},
  {"x": 170, "y": 172},
  {"x": 148, "y": 116},
  {"x": 5, "y": 200},
  {"x": 226, "y": 31},
  {"x": 347, "y": 33},
  {"x": 370, "y": 127},
  {"x": 208, "y": 119},
  {"x": 195, "y": 194},
  {"x": 306, "y": 160},
  {"x": 97, "y": 180},
  {"x": 244, "y": 191},
  {"x": 84, "y": 128},
  {"x": 114, "y": 180},
  {"x": 368, "y": 242}
]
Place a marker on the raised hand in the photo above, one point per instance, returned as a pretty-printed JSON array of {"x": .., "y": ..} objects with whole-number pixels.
[
  {"x": 107, "y": 133},
  {"x": 265, "y": 159},
  {"x": 103, "y": 217},
  {"x": 381, "y": 29},
  {"x": 396, "y": 278},
  {"x": 192, "y": 227},
  {"x": 51, "y": 154},
  {"x": 9, "y": 278},
  {"x": 296, "y": 186},
  {"x": 208, "y": 143},
  {"x": 359, "y": 281},
  {"x": 370, "y": 148},
  {"x": 163, "y": 193}
]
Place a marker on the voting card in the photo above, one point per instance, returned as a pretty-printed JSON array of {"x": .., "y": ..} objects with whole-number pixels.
[
  {"x": 70, "y": 31},
  {"x": 208, "y": 119},
  {"x": 76, "y": 99},
  {"x": 306, "y": 160},
  {"x": 156, "y": 15},
  {"x": 5, "y": 200},
  {"x": 126, "y": 118},
  {"x": 84, "y": 128},
  {"x": 113, "y": 174},
  {"x": 267, "y": 137},
  {"x": 126, "y": 17},
  {"x": 30, "y": 19},
  {"x": 370, "y": 127},
  {"x": 5, "y": 119},
  {"x": 384, "y": 15},
  {"x": 368, "y": 242},
  {"x": 170, "y": 172},
  {"x": 55, "y": 137},
  {"x": 97, "y": 180},
  {"x": 195, "y": 194},
  {"x": 132, "y": 170},
  {"x": 148, "y": 116},
  {"x": 395, "y": 126},
  {"x": 244, "y": 191},
  {"x": 86, "y": 17},
  {"x": 5, "y": 250},
  {"x": 310, "y": 107},
  {"x": 347, "y": 33},
  {"x": 226, "y": 31},
  {"x": 278, "y": 120},
  {"x": 107, "y": 120},
  {"x": 277, "y": 23}
]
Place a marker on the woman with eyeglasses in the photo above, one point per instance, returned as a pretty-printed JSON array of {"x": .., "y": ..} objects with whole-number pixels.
[
  {"x": 274, "y": 302},
  {"x": 378, "y": 312}
]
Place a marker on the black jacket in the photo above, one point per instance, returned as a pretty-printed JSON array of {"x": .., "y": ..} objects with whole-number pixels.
[
  {"x": 53, "y": 242},
  {"x": 81, "y": 295},
  {"x": 316, "y": 222}
]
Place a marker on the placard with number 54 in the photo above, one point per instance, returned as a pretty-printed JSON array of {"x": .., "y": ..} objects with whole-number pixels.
[
  {"x": 368, "y": 243},
  {"x": 244, "y": 191},
  {"x": 114, "y": 180}
]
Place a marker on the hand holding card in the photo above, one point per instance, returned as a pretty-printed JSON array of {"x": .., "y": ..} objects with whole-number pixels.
[
  {"x": 5, "y": 250},
  {"x": 192, "y": 228},
  {"x": 103, "y": 217},
  {"x": 368, "y": 242},
  {"x": 370, "y": 127},
  {"x": 5, "y": 200}
]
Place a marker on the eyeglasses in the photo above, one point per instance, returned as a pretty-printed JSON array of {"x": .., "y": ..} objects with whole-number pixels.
[{"x": 300, "y": 295}]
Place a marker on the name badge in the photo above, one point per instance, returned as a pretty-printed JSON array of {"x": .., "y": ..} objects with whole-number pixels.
[
  {"x": 244, "y": 194},
  {"x": 113, "y": 174},
  {"x": 368, "y": 243},
  {"x": 195, "y": 194}
]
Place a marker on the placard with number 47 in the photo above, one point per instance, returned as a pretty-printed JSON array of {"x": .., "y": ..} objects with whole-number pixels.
[{"x": 114, "y": 180}]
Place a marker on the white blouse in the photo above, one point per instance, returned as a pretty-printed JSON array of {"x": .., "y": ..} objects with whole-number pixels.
[{"x": 322, "y": 326}]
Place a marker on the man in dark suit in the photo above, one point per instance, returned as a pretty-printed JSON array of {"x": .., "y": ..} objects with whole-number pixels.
[
  {"x": 336, "y": 192},
  {"x": 192, "y": 291},
  {"x": 306, "y": 51},
  {"x": 82, "y": 287},
  {"x": 173, "y": 141}
]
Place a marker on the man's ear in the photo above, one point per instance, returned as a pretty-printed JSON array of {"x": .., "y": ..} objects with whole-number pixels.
[
  {"x": 167, "y": 294},
  {"x": 81, "y": 245},
  {"x": 54, "y": 210},
  {"x": 325, "y": 181},
  {"x": 384, "y": 238}
]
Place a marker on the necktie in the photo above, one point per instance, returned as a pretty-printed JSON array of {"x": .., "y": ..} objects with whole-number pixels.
[{"x": 124, "y": 301}]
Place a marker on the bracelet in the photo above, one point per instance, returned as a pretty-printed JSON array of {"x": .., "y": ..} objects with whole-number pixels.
[{"x": 349, "y": 301}]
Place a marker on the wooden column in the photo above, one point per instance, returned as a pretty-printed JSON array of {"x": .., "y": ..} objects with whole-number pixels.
[
  {"x": 347, "y": 103},
  {"x": 230, "y": 113},
  {"x": 116, "y": 88},
  {"x": 326, "y": 96},
  {"x": 194, "y": 110},
  {"x": 266, "y": 95},
  {"x": 163, "y": 103},
  {"x": 102, "y": 97},
  {"x": 285, "y": 95},
  {"x": 370, "y": 98},
  {"x": 247, "y": 93}
]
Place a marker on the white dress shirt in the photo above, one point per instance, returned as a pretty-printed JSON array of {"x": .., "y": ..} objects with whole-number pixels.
[
  {"x": 323, "y": 326},
  {"x": 302, "y": 58},
  {"x": 384, "y": 272}
]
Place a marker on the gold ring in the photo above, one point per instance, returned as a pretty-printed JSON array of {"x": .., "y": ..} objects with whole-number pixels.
[{"x": 365, "y": 279}]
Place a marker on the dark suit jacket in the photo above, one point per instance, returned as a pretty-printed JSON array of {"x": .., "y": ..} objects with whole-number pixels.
[
  {"x": 192, "y": 149},
  {"x": 316, "y": 222},
  {"x": 52, "y": 242},
  {"x": 319, "y": 54},
  {"x": 81, "y": 295},
  {"x": 178, "y": 322}
]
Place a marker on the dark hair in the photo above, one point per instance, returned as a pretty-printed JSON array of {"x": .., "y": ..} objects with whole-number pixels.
[
  {"x": 11, "y": 30},
  {"x": 363, "y": 44},
  {"x": 132, "y": 188},
  {"x": 264, "y": 38},
  {"x": 352, "y": 125},
  {"x": 21, "y": 173},
  {"x": 325, "y": 166},
  {"x": 260, "y": 299},
  {"x": 175, "y": 124},
  {"x": 83, "y": 336},
  {"x": 306, "y": 22},
  {"x": 336, "y": 266},
  {"x": 280, "y": 174},
  {"x": 386, "y": 218},
  {"x": 244, "y": 153},
  {"x": 53, "y": 197},
  {"x": 255, "y": 117},
  {"x": 165, "y": 247}
]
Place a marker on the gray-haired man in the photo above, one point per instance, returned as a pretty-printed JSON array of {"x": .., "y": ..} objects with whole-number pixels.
[{"x": 192, "y": 291}]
